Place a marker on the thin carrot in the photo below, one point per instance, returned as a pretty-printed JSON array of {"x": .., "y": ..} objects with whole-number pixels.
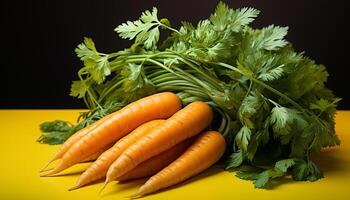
[
  {"x": 68, "y": 143},
  {"x": 156, "y": 163},
  {"x": 204, "y": 152},
  {"x": 157, "y": 106},
  {"x": 99, "y": 168},
  {"x": 184, "y": 124}
]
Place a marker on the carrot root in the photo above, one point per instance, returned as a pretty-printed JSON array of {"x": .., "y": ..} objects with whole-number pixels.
[
  {"x": 117, "y": 125},
  {"x": 134, "y": 196},
  {"x": 99, "y": 168},
  {"x": 47, "y": 164},
  {"x": 184, "y": 124},
  {"x": 104, "y": 186},
  {"x": 72, "y": 140},
  {"x": 157, "y": 163},
  {"x": 204, "y": 152}
]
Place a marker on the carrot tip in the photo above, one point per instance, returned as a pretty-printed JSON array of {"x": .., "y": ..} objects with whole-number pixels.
[
  {"x": 46, "y": 165},
  {"x": 47, "y": 173},
  {"x": 74, "y": 188},
  {"x": 44, "y": 170},
  {"x": 134, "y": 196},
  {"x": 103, "y": 187}
]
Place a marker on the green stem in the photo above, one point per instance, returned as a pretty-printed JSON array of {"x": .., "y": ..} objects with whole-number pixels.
[
  {"x": 161, "y": 79},
  {"x": 156, "y": 73},
  {"x": 194, "y": 79},
  {"x": 182, "y": 95},
  {"x": 177, "y": 83},
  {"x": 249, "y": 88},
  {"x": 223, "y": 122},
  {"x": 191, "y": 99},
  {"x": 169, "y": 70},
  {"x": 110, "y": 89},
  {"x": 168, "y": 27},
  {"x": 214, "y": 82},
  {"x": 120, "y": 61},
  {"x": 186, "y": 89}
]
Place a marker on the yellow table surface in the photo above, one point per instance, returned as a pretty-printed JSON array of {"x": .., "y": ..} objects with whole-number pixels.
[{"x": 22, "y": 157}]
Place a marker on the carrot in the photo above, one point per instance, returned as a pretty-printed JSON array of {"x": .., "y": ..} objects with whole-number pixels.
[
  {"x": 157, "y": 106},
  {"x": 204, "y": 152},
  {"x": 156, "y": 163},
  {"x": 68, "y": 143},
  {"x": 99, "y": 168},
  {"x": 184, "y": 124},
  {"x": 94, "y": 156}
]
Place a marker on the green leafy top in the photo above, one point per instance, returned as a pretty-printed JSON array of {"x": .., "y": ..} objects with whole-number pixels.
[
  {"x": 145, "y": 30},
  {"x": 96, "y": 63}
]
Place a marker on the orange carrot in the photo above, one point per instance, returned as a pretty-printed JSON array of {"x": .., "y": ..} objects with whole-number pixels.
[
  {"x": 94, "y": 156},
  {"x": 184, "y": 124},
  {"x": 157, "y": 106},
  {"x": 99, "y": 168},
  {"x": 156, "y": 163},
  {"x": 204, "y": 152},
  {"x": 68, "y": 143}
]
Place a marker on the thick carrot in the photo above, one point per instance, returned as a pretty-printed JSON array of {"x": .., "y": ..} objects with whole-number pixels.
[
  {"x": 156, "y": 163},
  {"x": 184, "y": 124},
  {"x": 157, "y": 106},
  {"x": 204, "y": 152},
  {"x": 99, "y": 168},
  {"x": 68, "y": 143}
]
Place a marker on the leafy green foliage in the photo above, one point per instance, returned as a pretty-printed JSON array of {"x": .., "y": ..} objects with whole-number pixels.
[
  {"x": 261, "y": 177},
  {"x": 283, "y": 120},
  {"x": 306, "y": 170},
  {"x": 79, "y": 89},
  {"x": 270, "y": 102},
  {"x": 55, "y": 132},
  {"x": 56, "y": 125},
  {"x": 136, "y": 85},
  {"x": 248, "y": 172},
  {"x": 145, "y": 30},
  {"x": 243, "y": 137},
  {"x": 270, "y": 38},
  {"x": 323, "y": 105},
  {"x": 234, "y": 20},
  {"x": 235, "y": 160},
  {"x": 212, "y": 39},
  {"x": 95, "y": 63}
]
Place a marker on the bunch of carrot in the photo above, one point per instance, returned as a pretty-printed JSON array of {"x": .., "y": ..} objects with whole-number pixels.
[{"x": 153, "y": 136}]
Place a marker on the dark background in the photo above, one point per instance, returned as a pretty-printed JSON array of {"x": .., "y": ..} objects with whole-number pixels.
[{"x": 38, "y": 40}]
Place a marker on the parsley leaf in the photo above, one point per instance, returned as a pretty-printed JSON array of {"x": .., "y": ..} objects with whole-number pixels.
[
  {"x": 95, "y": 63},
  {"x": 55, "y": 132},
  {"x": 79, "y": 89},
  {"x": 270, "y": 38},
  {"x": 235, "y": 160},
  {"x": 243, "y": 137},
  {"x": 232, "y": 20},
  {"x": 145, "y": 30}
]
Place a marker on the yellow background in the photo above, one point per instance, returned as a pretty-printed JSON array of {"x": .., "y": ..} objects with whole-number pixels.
[{"x": 22, "y": 157}]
